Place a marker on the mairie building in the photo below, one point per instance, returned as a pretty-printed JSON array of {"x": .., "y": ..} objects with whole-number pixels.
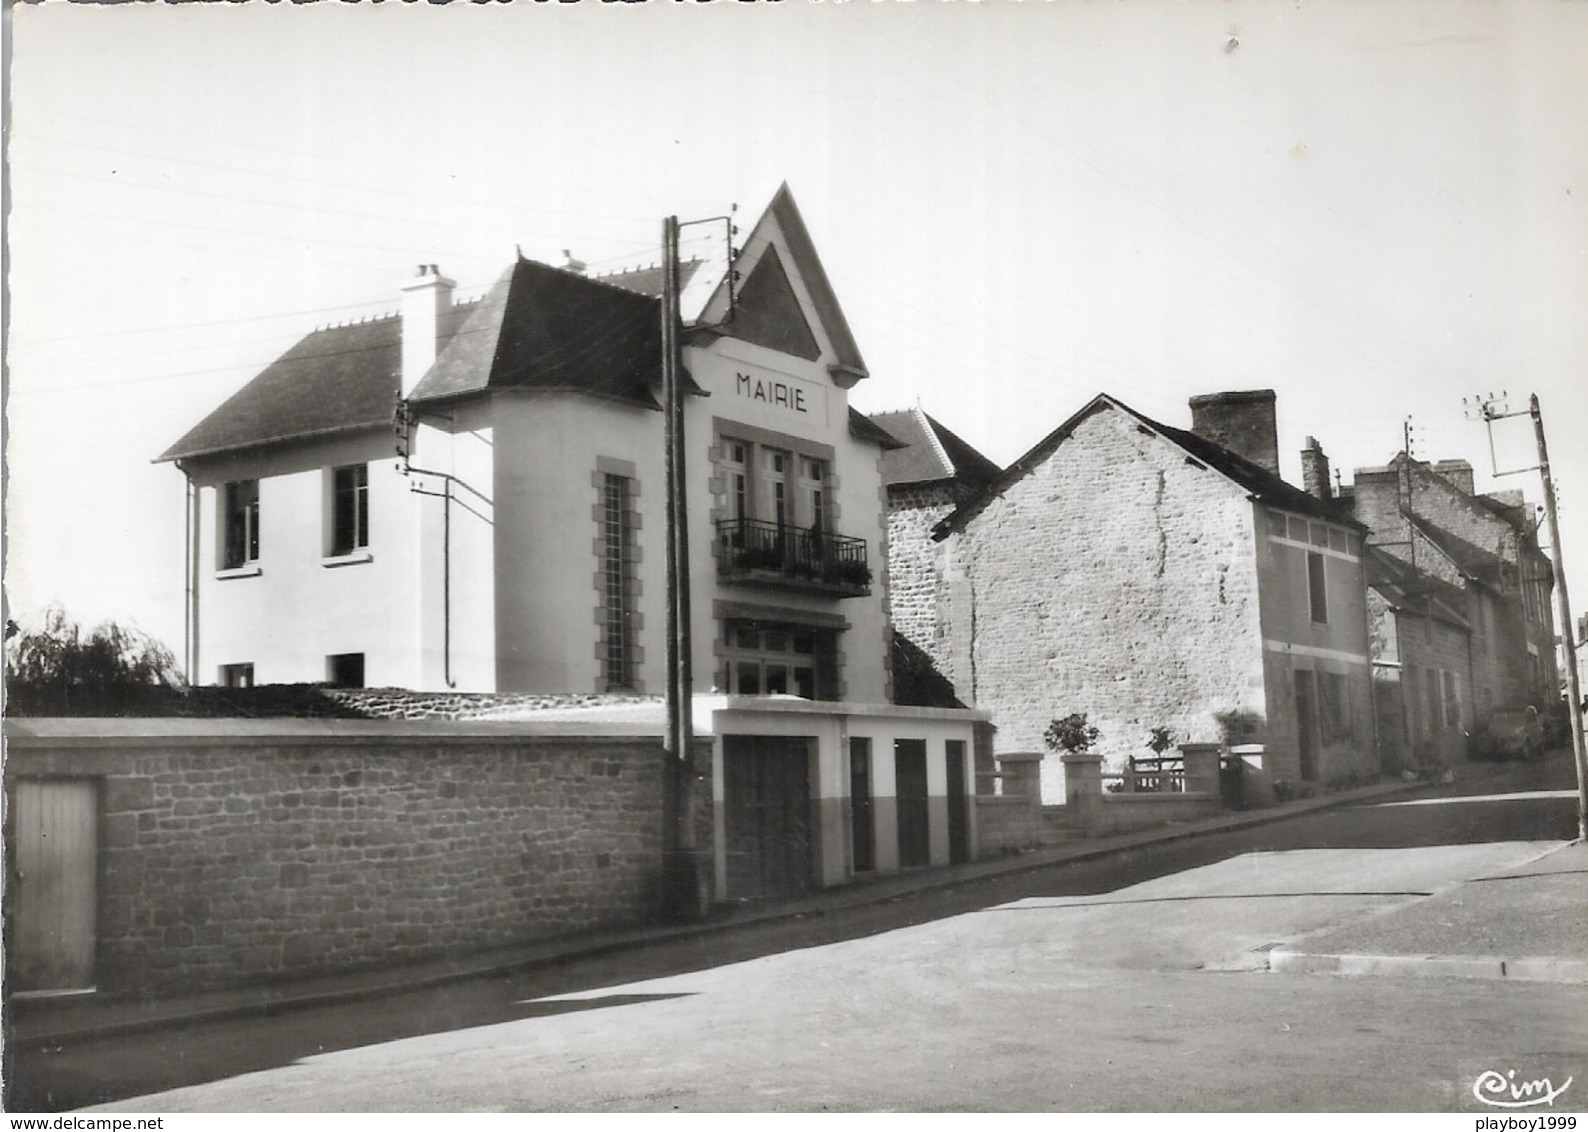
[{"x": 469, "y": 496}]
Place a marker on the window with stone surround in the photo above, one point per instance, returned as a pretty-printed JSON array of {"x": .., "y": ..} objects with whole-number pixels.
[{"x": 617, "y": 611}]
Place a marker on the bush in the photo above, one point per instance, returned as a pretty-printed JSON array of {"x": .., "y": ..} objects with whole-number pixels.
[
  {"x": 1072, "y": 734},
  {"x": 58, "y": 670}
]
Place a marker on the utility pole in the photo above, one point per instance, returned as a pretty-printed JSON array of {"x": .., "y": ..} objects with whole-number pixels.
[
  {"x": 1562, "y": 597},
  {"x": 681, "y": 883}
]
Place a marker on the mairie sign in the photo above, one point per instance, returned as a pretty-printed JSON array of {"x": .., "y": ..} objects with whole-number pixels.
[{"x": 770, "y": 391}]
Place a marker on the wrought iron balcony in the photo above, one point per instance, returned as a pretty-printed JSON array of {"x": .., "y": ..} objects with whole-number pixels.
[{"x": 794, "y": 558}]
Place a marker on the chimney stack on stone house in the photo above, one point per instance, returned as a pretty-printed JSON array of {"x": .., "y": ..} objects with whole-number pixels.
[
  {"x": 427, "y": 298},
  {"x": 1315, "y": 471},
  {"x": 1458, "y": 472},
  {"x": 1242, "y": 421}
]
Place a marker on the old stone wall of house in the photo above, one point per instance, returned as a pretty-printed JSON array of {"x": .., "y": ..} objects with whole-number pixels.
[
  {"x": 1118, "y": 579},
  {"x": 237, "y": 852},
  {"x": 917, "y": 595},
  {"x": 1419, "y": 725}
]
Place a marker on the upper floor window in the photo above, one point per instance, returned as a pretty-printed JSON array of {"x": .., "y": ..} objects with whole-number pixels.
[
  {"x": 240, "y": 546},
  {"x": 1317, "y": 589},
  {"x": 617, "y": 582},
  {"x": 350, "y": 509}
]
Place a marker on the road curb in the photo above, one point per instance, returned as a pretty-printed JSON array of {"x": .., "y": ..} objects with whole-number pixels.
[{"x": 1538, "y": 970}]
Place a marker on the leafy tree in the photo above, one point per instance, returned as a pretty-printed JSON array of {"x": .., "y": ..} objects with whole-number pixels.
[{"x": 60, "y": 670}]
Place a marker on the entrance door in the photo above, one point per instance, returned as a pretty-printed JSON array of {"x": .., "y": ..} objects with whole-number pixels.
[
  {"x": 767, "y": 815},
  {"x": 958, "y": 804},
  {"x": 861, "y": 821},
  {"x": 56, "y": 867},
  {"x": 1307, "y": 724},
  {"x": 915, "y": 838}
]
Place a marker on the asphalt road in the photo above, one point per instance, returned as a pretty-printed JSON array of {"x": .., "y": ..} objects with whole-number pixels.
[{"x": 1129, "y": 982}]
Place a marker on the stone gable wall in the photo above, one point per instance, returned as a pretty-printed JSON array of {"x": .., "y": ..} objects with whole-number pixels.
[
  {"x": 237, "y": 860},
  {"x": 1116, "y": 579}
]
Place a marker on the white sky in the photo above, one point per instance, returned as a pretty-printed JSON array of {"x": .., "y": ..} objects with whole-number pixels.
[{"x": 1375, "y": 209}]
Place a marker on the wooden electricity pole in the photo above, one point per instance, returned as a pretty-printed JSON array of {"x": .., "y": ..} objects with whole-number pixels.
[
  {"x": 681, "y": 867},
  {"x": 1567, "y": 626},
  {"x": 1487, "y": 407}
]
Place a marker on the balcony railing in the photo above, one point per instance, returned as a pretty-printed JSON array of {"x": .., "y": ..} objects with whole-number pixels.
[{"x": 755, "y": 550}]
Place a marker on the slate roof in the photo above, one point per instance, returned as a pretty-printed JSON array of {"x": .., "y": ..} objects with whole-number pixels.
[
  {"x": 538, "y": 327},
  {"x": 1407, "y": 588},
  {"x": 1473, "y": 561},
  {"x": 1258, "y": 483},
  {"x": 930, "y": 452}
]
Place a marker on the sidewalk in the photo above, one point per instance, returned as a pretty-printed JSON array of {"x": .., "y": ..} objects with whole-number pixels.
[
  {"x": 1554, "y": 894},
  {"x": 1530, "y": 924}
]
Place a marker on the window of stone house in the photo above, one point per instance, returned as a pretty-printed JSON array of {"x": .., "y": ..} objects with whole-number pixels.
[
  {"x": 1317, "y": 588},
  {"x": 239, "y": 524},
  {"x": 349, "y": 509}
]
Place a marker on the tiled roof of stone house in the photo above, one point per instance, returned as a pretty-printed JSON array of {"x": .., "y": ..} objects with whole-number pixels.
[
  {"x": 1258, "y": 483},
  {"x": 930, "y": 452}
]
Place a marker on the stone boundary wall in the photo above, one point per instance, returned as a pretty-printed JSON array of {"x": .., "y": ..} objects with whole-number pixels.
[
  {"x": 237, "y": 852},
  {"x": 1007, "y": 824}
]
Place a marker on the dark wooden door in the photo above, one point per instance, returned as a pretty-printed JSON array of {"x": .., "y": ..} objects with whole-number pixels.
[
  {"x": 767, "y": 803},
  {"x": 1307, "y": 724},
  {"x": 958, "y": 804},
  {"x": 55, "y": 873},
  {"x": 861, "y": 819},
  {"x": 915, "y": 837}
]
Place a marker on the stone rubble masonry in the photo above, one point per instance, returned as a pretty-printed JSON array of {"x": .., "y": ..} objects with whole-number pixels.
[
  {"x": 1242, "y": 421},
  {"x": 916, "y": 578},
  {"x": 230, "y": 858},
  {"x": 1118, "y": 579}
]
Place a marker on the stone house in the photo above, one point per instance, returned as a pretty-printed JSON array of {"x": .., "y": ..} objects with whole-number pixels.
[
  {"x": 1152, "y": 576},
  {"x": 469, "y": 495},
  {"x": 1486, "y": 547}
]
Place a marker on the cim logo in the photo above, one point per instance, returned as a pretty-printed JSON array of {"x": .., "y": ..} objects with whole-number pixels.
[{"x": 1503, "y": 1090}]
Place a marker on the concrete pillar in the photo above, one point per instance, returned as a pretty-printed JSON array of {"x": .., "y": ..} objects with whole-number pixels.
[
  {"x": 1083, "y": 779},
  {"x": 1201, "y": 767},
  {"x": 1022, "y": 774}
]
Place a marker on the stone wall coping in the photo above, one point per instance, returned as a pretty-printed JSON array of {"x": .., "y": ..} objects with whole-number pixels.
[
  {"x": 794, "y": 705},
  {"x": 1147, "y": 799},
  {"x": 1076, "y": 760},
  {"x": 106, "y": 731},
  {"x": 1021, "y": 757}
]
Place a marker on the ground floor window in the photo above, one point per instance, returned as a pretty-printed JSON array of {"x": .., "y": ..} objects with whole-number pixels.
[
  {"x": 345, "y": 670},
  {"x": 778, "y": 659}
]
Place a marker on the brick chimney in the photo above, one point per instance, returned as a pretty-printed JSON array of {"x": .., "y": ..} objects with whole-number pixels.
[
  {"x": 427, "y": 298},
  {"x": 1242, "y": 421},
  {"x": 1315, "y": 470},
  {"x": 1458, "y": 472}
]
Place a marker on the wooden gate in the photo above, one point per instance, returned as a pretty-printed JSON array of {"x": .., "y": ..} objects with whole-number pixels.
[
  {"x": 915, "y": 813},
  {"x": 55, "y": 873},
  {"x": 767, "y": 799}
]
